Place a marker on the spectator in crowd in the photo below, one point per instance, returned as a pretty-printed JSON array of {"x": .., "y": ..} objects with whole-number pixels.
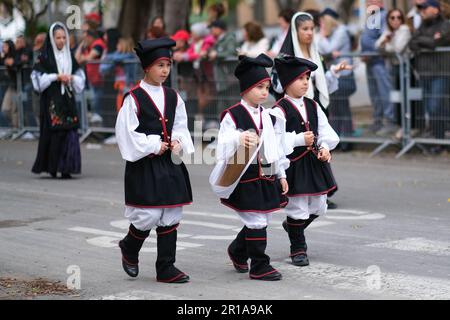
[
  {"x": 377, "y": 75},
  {"x": 223, "y": 49},
  {"x": 158, "y": 22},
  {"x": 12, "y": 23},
  {"x": 24, "y": 55},
  {"x": 122, "y": 62},
  {"x": 155, "y": 33},
  {"x": 38, "y": 44},
  {"x": 255, "y": 42},
  {"x": 203, "y": 73},
  {"x": 334, "y": 43},
  {"x": 93, "y": 19},
  {"x": 156, "y": 29},
  {"x": 57, "y": 77},
  {"x": 215, "y": 11},
  {"x": 23, "y": 51},
  {"x": 284, "y": 20},
  {"x": 413, "y": 17},
  {"x": 433, "y": 67},
  {"x": 9, "y": 60},
  {"x": 181, "y": 38},
  {"x": 394, "y": 40},
  {"x": 300, "y": 43},
  {"x": 88, "y": 53}
]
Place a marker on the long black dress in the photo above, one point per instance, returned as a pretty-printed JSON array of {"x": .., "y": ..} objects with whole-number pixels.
[{"x": 59, "y": 148}]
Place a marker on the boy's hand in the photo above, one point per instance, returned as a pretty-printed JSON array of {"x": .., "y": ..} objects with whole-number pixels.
[
  {"x": 324, "y": 155},
  {"x": 175, "y": 146},
  {"x": 248, "y": 139},
  {"x": 309, "y": 138},
  {"x": 284, "y": 186},
  {"x": 164, "y": 148}
]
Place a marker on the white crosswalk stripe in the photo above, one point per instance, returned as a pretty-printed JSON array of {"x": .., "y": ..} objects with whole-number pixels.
[{"x": 421, "y": 245}]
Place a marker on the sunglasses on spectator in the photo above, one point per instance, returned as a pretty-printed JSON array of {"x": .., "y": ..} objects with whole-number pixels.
[
  {"x": 395, "y": 17},
  {"x": 421, "y": 7}
]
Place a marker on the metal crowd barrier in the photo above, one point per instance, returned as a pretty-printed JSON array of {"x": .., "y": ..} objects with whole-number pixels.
[{"x": 420, "y": 98}]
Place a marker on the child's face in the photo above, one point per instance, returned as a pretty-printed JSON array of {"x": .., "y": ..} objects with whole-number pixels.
[
  {"x": 159, "y": 71},
  {"x": 258, "y": 94},
  {"x": 299, "y": 87}
]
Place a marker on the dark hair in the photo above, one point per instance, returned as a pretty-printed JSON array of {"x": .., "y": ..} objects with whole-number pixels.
[
  {"x": 113, "y": 35},
  {"x": 156, "y": 18},
  {"x": 218, "y": 8},
  {"x": 287, "y": 14},
  {"x": 254, "y": 31},
  {"x": 11, "y": 49},
  {"x": 58, "y": 27},
  {"x": 402, "y": 17},
  {"x": 316, "y": 16},
  {"x": 302, "y": 18}
]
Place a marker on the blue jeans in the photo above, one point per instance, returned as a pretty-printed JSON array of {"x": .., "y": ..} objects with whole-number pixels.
[
  {"x": 379, "y": 90},
  {"x": 436, "y": 98}
]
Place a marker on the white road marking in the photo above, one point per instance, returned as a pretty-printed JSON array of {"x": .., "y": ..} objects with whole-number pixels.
[
  {"x": 139, "y": 295},
  {"x": 117, "y": 235},
  {"x": 355, "y": 279},
  {"x": 349, "y": 214},
  {"x": 421, "y": 245}
]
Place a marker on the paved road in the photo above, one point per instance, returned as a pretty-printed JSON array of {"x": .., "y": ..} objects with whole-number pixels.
[{"x": 388, "y": 240}]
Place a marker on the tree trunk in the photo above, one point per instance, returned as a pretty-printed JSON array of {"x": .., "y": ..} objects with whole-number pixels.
[
  {"x": 134, "y": 17},
  {"x": 176, "y": 15}
]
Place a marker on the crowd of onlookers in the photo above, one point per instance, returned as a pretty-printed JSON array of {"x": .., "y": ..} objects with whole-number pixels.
[{"x": 205, "y": 56}]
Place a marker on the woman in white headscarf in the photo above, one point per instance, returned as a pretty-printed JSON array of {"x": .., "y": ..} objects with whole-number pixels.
[
  {"x": 57, "y": 77},
  {"x": 299, "y": 42}
]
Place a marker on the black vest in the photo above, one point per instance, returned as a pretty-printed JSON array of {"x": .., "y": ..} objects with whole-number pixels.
[
  {"x": 151, "y": 121},
  {"x": 306, "y": 175},
  {"x": 244, "y": 121},
  {"x": 295, "y": 122},
  {"x": 156, "y": 181}
]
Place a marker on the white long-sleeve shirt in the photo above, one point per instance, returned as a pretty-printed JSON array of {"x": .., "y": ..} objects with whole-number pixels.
[
  {"x": 134, "y": 145},
  {"x": 327, "y": 137},
  {"x": 41, "y": 81},
  {"x": 229, "y": 136}
]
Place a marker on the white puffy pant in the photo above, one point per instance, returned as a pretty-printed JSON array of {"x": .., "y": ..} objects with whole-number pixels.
[
  {"x": 145, "y": 219},
  {"x": 254, "y": 220},
  {"x": 302, "y": 207}
]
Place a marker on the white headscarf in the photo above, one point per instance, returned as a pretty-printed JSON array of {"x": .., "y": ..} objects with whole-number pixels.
[
  {"x": 63, "y": 57},
  {"x": 319, "y": 74}
]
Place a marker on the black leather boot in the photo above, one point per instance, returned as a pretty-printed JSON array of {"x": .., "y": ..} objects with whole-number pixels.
[
  {"x": 130, "y": 247},
  {"x": 237, "y": 251},
  {"x": 260, "y": 268},
  {"x": 167, "y": 246},
  {"x": 296, "y": 232}
]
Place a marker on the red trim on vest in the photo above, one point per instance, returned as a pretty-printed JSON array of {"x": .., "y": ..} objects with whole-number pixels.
[
  {"x": 162, "y": 116},
  {"x": 311, "y": 194},
  {"x": 158, "y": 207},
  {"x": 256, "y": 211},
  {"x": 137, "y": 103},
  {"x": 224, "y": 113}
]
